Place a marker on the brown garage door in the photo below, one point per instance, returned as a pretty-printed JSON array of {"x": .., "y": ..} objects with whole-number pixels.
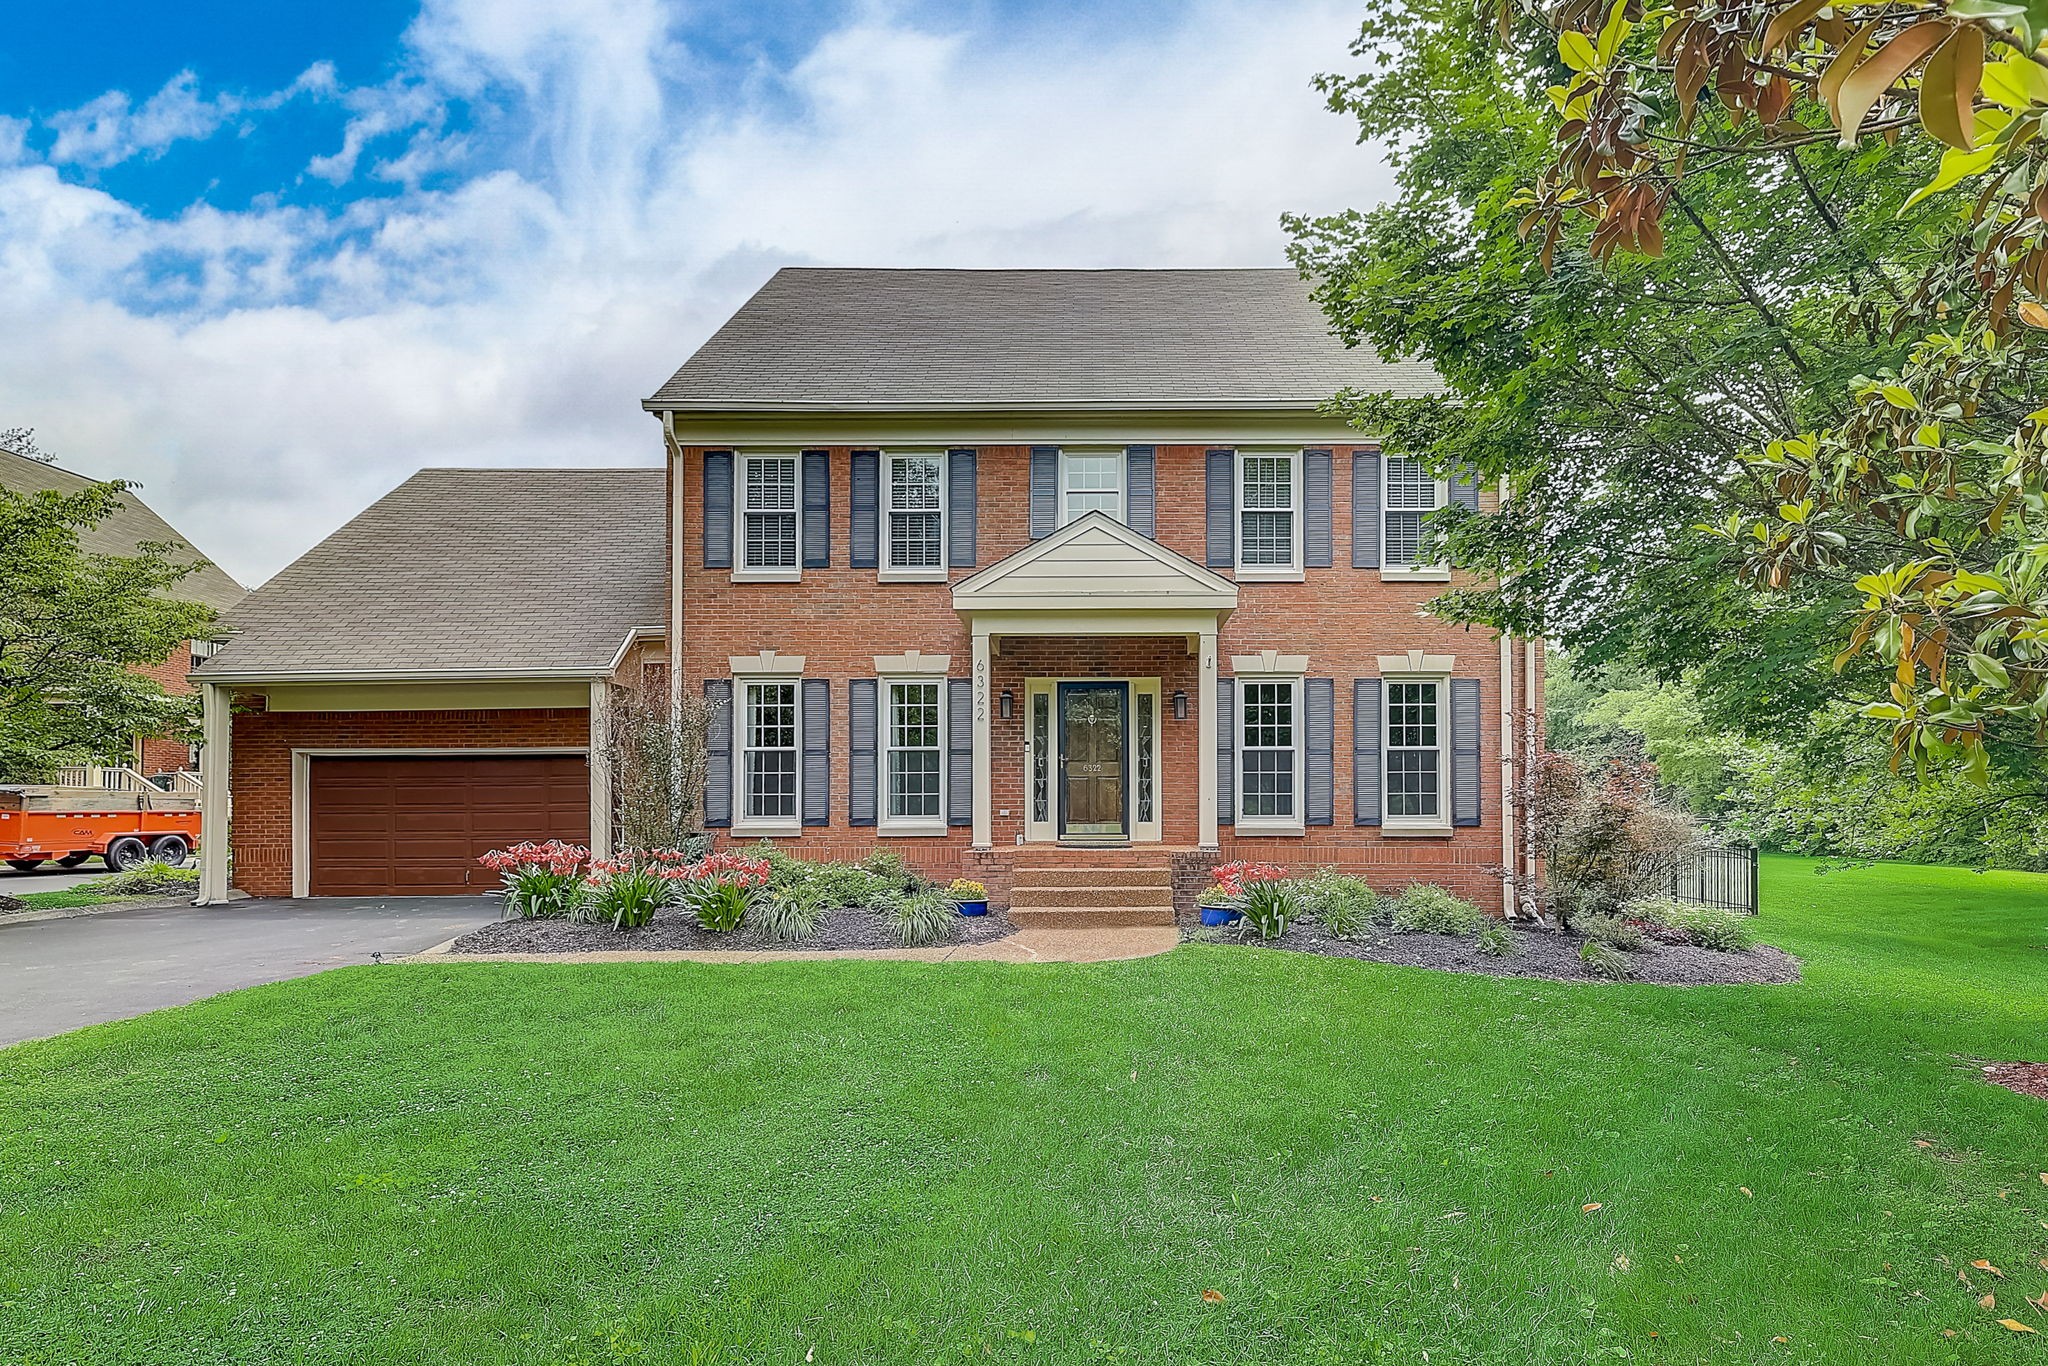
[{"x": 416, "y": 825}]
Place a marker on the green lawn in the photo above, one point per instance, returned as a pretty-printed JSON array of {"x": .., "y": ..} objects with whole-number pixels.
[{"x": 854, "y": 1163}]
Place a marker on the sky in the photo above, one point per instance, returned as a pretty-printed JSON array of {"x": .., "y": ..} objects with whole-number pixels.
[{"x": 267, "y": 258}]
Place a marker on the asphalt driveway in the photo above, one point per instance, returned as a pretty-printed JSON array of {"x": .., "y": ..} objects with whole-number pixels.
[{"x": 57, "y": 975}]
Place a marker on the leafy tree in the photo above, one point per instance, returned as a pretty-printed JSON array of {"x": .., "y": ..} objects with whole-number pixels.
[{"x": 75, "y": 627}]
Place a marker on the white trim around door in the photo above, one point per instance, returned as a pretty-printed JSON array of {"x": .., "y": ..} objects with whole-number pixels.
[{"x": 1145, "y": 741}]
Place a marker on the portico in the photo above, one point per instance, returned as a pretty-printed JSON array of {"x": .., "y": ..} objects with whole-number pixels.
[{"x": 1093, "y": 762}]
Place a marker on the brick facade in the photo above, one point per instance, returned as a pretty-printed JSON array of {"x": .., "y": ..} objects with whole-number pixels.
[
  {"x": 163, "y": 754},
  {"x": 839, "y": 618}
]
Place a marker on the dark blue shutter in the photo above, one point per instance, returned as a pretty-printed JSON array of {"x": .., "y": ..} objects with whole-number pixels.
[
  {"x": 1366, "y": 724},
  {"x": 1140, "y": 500},
  {"x": 718, "y": 509},
  {"x": 718, "y": 753},
  {"x": 817, "y": 509},
  {"x": 1221, "y": 506},
  {"x": 1226, "y": 751},
  {"x": 1365, "y": 509},
  {"x": 817, "y": 752},
  {"x": 866, "y": 490},
  {"x": 860, "y": 768},
  {"x": 1465, "y": 488},
  {"x": 1321, "y": 705},
  {"x": 1317, "y": 475},
  {"x": 1466, "y": 729},
  {"x": 1045, "y": 490},
  {"x": 960, "y": 494},
  {"x": 959, "y": 751}
]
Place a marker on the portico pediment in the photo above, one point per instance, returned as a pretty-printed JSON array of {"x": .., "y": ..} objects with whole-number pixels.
[{"x": 1095, "y": 563}]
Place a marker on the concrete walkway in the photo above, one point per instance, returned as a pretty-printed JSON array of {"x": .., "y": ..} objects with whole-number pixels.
[{"x": 1025, "y": 946}]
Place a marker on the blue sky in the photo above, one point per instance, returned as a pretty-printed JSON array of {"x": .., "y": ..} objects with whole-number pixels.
[{"x": 270, "y": 258}]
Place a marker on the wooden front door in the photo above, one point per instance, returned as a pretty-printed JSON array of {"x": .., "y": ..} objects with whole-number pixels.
[{"x": 1094, "y": 758}]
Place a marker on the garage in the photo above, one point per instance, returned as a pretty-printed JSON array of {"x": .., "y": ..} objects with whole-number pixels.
[{"x": 416, "y": 824}]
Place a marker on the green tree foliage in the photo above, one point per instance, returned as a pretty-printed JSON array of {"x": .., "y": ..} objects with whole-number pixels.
[{"x": 74, "y": 626}]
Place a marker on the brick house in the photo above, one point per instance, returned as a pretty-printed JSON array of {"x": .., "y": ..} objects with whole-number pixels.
[
  {"x": 134, "y": 524},
  {"x": 1000, "y": 569}
]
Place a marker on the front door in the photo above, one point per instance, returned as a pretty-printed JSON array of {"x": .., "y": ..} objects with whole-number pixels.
[{"x": 1094, "y": 729}]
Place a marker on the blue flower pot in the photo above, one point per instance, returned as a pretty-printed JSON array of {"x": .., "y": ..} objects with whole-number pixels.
[
  {"x": 1219, "y": 915},
  {"x": 972, "y": 907}
]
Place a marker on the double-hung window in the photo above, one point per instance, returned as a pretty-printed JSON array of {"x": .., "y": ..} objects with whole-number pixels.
[
  {"x": 1091, "y": 481},
  {"x": 1415, "y": 751},
  {"x": 1268, "y": 514},
  {"x": 913, "y": 758},
  {"x": 1269, "y": 753},
  {"x": 770, "y": 758},
  {"x": 1411, "y": 495},
  {"x": 916, "y": 531},
  {"x": 768, "y": 502}
]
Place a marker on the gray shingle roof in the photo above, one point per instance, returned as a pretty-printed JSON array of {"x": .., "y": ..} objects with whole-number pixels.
[
  {"x": 926, "y": 339},
  {"x": 132, "y": 524},
  {"x": 466, "y": 570}
]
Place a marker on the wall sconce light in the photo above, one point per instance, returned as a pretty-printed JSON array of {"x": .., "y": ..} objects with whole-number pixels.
[
  {"x": 1007, "y": 704},
  {"x": 1180, "y": 704}
]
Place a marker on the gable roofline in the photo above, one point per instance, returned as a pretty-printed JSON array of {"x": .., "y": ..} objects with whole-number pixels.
[{"x": 1205, "y": 589}]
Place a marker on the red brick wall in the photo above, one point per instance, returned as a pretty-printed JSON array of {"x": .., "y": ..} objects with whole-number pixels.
[
  {"x": 161, "y": 754},
  {"x": 839, "y": 618},
  {"x": 261, "y": 759}
]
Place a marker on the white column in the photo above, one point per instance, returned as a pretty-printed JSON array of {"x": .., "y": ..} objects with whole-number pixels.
[
  {"x": 984, "y": 805},
  {"x": 600, "y": 768},
  {"x": 216, "y": 731},
  {"x": 1205, "y": 741}
]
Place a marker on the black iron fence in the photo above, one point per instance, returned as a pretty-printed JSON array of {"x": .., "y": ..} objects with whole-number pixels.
[{"x": 1720, "y": 875}]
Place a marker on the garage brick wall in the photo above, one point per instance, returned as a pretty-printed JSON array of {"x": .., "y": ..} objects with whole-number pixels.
[{"x": 261, "y": 755}]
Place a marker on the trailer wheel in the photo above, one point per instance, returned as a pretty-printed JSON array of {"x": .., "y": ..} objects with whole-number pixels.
[
  {"x": 171, "y": 849},
  {"x": 126, "y": 853},
  {"x": 72, "y": 860},
  {"x": 24, "y": 865}
]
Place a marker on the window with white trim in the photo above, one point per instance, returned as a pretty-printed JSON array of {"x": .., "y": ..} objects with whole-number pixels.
[
  {"x": 768, "y": 512},
  {"x": 1091, "y": 481},
  {"x": 1411, "y": 495},
  {"x": 913, "y": 755},
  {"x": 1269, "y": 752},
  {"x": 916, "y": 530},
  {"x": 1268, "y": 511},
  {"x": 1415, "y": 751},
  {"x": 770, "y": 758}
]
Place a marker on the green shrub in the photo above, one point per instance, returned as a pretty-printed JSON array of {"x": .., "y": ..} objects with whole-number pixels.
[
  {"x": 789, "y": 916},
  {"x": 1428, "y": 909},
  {"x": 150, "y": 879},
  {"x": 922, "y": 918},
  {"x": 1707, "y": 926},
  {"x": 1270, "y": 907},
  {"x": 1612, "y": 931},
  {"x": 1344, "y": 906},
  {"x": 1496, "y": 940},
  {"x": 1602, "y": 961},
  {"x": 721, "y": 904},
  {"x": 621, "y": 894}
]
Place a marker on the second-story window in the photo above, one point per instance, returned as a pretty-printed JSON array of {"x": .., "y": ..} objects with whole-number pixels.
[
  {"x": 1411, "y": 496},
  {"x": 1091, "y": 482},
  {"x": 768, "y": 512},
  {"x": 916, "y": 530},
  {"x": 1268, "y": 535}
]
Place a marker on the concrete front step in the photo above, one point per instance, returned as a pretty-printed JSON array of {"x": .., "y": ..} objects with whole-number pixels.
[
  {"x": 1088, "y": 917},
  {"x": 1106, "y": 894},
  {"x": 1071, "y": 876}
]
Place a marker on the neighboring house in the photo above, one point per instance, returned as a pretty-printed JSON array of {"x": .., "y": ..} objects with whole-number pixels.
[
  {"x": 134, "y": 524},
  {"x": 1002, "y": 569}
]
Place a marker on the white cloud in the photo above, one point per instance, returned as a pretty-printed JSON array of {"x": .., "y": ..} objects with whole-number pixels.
[
  {"x": 290, "y": 365},
  {"x": 109, "y": 130}
]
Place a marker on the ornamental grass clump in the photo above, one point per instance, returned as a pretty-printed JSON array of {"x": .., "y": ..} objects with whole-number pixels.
[
  {"x": 789, "y": 916},
  {"x": 1613, "y": 931},
  {"x": 1496, "y": 941},
  {"x": 541, "y": 881},
  {"x": 1344, "y": 906},
  {"x": 1270, "y": 907},
  {"x": 1426, "y": 909},
  {"x": 1603, "y": 961},
  {"x": 1710, "y": 927},
  {"x": 922, "y": 918}
]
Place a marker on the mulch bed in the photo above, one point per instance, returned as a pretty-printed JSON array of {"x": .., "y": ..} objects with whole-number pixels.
[
  {"x": 1539, "y": 953},
  {"x": 847, "y": 928},
  {"x": 2027, "y": 1078}
]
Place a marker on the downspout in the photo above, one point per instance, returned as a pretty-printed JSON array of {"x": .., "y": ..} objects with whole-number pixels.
[
  {"x": 675, "y": 565},
  {"x": 1530, "y": 755},
  {"x": 1507, "y": 776}
]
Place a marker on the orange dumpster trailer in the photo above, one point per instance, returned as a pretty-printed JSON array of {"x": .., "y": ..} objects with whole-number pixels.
[{"x": 68, "y": 826}]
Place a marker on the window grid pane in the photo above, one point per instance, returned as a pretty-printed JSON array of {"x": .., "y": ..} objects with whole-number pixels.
[
  {"x": 1411, "y": 495},
  {"x": 1414, "y": 754},
  {"x": 914, "y": 511},
  {"x": 1404, "y": 537},
  {"x": 770, "y": 761},
  {"x": 1266, "y": 524},
  {"x": 769, "y": 512},
  {"x": 913, "y": 746},
  {"x": 1095, "y": 483},
  {"x": 1266, "y": 777},
  {"x": 1268, "y": 538}
]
